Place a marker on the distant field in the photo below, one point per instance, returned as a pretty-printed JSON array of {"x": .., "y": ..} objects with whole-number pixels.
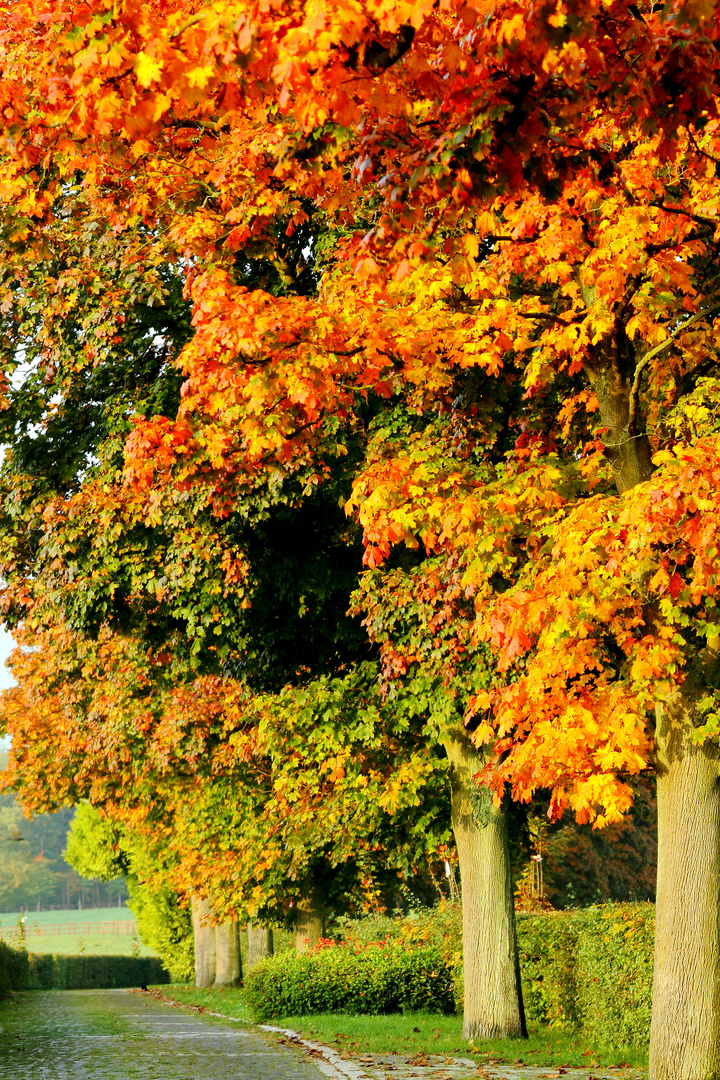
[
  {"x": 98, "y": 931},
  {"x": 8, "y": 920}
]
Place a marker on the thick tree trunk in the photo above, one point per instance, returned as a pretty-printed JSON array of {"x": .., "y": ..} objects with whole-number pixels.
[
  {"x": 627, "y": 444},
  {"x": 228, "y": 969},
  {"x": 685, "y": 1031},
  {"x": 260, "y": 943},
  {"x": 310, "y": 914},
  {"x": 204, "y": 943},
  {"x": 493, "y": 995}
]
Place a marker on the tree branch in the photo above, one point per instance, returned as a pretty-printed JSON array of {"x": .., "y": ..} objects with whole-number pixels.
[
  {"x": 648, "y": 356},
  {"x": 377, "y": 56}
]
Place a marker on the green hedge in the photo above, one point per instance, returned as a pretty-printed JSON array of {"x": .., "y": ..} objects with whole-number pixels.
[
  {"x": 589, "y": 969},
  {"x": 14, "y": 968},
  {"x": 381, "y": 977},
  {"x": 46, "y": 972},
  {"x": 20, "y": 970}
]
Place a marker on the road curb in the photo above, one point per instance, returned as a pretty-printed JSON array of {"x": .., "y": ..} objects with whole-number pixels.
[{"x": 333, "y": 1066}]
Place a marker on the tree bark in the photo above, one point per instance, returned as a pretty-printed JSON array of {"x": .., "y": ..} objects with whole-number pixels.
[
  {"x": 685, "y": 1030},
  {"x": 310, "y": 914},
  {"x": 493, "y": 995},
  {"x": 204, "y": 943},
  {"x": 260, "y": 943},
  {"x": 626, "y": 442},
  {"x": 228, "y": 969}
]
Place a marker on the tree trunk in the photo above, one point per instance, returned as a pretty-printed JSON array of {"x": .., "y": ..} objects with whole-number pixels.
[
  {"x": 228, "y": 967},
  {"x": 310, "y": 914},
  {"x": 260, "y": 943},
  {"x": 626, "y": 443},
  {"x": 204, "y": 943},
  {"x": 685, "y": 1031},
  {"x": 493, "y": 995}
]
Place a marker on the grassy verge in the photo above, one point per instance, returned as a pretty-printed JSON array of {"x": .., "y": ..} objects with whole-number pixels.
[{"x": 415, "y": 1032}]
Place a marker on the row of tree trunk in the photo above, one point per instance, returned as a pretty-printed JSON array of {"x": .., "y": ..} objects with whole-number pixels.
[
  {"x": 685, "y": 1038},
  {"x": 217, "y": 947},
  {"x": 218, "y": 963}
]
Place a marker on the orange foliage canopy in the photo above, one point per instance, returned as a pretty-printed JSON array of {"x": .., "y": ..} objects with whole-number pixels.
[{"x": 522, "y": 206}]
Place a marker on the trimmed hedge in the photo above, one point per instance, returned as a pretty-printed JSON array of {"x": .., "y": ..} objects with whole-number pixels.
[
  {"x": 590, "y": 970},
  {"x": 13, "y": 969},
  {"x": 20, "y": 970},
  {"x": 57, "y": 972},
  {"x": 381, "y": 977}
]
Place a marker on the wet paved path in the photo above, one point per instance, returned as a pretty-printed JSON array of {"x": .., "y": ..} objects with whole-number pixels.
[
  {"x": 122, "y": 1035},
  {"x": 116, "y": 1035}
]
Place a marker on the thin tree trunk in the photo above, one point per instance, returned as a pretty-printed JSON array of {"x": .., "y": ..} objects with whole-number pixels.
[
  {"x": 228, "y": 967},
  {"x": 260, "y": 943},
  {"x": 310, "y": 914},
  {"x": 493, "y": 995},
  {"x": 685, "y": 1030},
  {"x": 204, "y": 943}
]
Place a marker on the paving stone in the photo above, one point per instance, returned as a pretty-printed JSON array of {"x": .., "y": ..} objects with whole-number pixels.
[
  {"x": 119, "y": 1035},
  {"x": 124, "y": 1035}
]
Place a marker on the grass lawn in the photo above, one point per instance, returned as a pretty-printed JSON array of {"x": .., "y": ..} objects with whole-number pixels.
[
  {"x": 89, "y": 944},
  {"x": 8, "y": 920},
  {"x": 83, "y": 938},
  {"x": 427, "y": 1032}
]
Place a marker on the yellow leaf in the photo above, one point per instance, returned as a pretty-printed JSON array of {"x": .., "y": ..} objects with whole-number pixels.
[
  {"x": 662, "y": 456},
  {"x": 200, "y": 76},
  {"x": 147, "y": 69}
]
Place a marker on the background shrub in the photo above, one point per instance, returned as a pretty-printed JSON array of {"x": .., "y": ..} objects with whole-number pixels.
[
  {"x": 20, "y": 970},
  {"x": 381, "y": 977},
  {"x": 13, "y": 969},
  {"x": 547, "y": 947},
  {"x": 591, "y": 970},
  {"x": 439, "y": 928}
]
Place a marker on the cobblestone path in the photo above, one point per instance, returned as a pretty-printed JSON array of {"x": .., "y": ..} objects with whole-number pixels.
[{"x": 117, "y": 1035}]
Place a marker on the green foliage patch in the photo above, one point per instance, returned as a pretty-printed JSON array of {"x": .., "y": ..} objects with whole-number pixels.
[
  {"x": 591, "y": 970},
  {"x": 13, "y": 969},
  {"x": 381, "y": 977}
]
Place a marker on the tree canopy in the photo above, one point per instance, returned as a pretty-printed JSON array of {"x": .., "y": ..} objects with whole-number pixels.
[{"x": 453, "y": 264}]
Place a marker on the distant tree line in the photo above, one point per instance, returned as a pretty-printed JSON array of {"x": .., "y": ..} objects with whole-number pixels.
[{"x": 33, "y": 872}]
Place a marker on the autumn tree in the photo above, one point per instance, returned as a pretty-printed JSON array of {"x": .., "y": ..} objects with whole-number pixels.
[
  {"x": 254, "y": 597},
  {"x": 525, "y": 194}
]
